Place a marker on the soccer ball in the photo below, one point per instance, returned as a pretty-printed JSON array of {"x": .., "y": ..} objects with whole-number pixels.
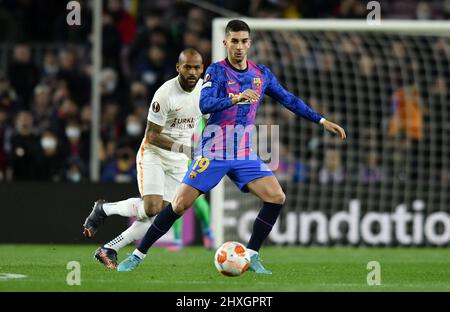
[{"x": 232, "y": 259}]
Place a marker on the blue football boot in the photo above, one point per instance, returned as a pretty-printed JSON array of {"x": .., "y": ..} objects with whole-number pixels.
[
  {"x": 256, "y": 265},
  {"x": 129, "y": 264}
]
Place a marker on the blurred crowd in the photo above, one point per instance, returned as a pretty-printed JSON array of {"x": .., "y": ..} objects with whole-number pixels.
[
  {"x": 45, "y": 75},
  {"x": 389, "y": 91}
]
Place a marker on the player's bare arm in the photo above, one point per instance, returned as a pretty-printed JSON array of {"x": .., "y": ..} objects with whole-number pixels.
[
  {"x": 154, "y": 136},
  {"x": 334, "y": 128}
]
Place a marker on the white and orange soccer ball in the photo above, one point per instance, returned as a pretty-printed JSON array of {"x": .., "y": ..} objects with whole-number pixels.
[{"x": 232, "y": 259}]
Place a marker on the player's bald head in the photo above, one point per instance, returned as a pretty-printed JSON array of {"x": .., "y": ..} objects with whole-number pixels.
[
  {"x": 189, "y": 55},
  {"x": 189, "y": 68}
]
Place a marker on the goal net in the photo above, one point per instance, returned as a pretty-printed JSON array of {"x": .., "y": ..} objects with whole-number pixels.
[{"x": 388, "y": 86}]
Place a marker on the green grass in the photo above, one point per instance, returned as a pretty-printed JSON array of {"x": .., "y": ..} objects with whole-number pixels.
[{"x": 294, "y": 268}]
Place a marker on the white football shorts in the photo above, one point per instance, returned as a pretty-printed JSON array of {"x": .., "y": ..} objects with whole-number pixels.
[{"x": 157, "y": 175}]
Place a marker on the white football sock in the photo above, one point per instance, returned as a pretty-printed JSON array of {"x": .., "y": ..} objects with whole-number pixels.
[
  {"x": 139, "y": 254},
  {"x": 251, "y": 252},
  {"x": 131, "y": 207},
  {"x": 135, "y": 232}
]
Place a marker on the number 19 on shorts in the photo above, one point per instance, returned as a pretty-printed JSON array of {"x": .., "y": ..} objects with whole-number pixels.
[{"x": 202, "y": 164}]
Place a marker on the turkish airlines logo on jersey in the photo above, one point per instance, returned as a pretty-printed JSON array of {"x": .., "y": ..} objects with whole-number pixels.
[
  {"x": 183, "y": 123},
  {"x": 155, "y": 107}
]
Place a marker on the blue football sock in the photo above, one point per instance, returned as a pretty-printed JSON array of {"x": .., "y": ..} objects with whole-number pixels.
[
  {"x": 163, "y": 222},
  {"x": 263, "y": 224}
]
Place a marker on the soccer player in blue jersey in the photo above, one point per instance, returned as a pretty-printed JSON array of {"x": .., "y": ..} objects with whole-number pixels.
[{"x": 231, "y": 93}]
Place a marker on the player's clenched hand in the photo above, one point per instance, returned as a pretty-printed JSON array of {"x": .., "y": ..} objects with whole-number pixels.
[
  {"x": 332, "y": 127},
  {"x": 248, "y": 95}
]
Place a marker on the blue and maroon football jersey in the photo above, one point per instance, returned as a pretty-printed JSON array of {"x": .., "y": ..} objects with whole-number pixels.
[
  {"x": 226, "y": 140},
  {"x": 223, "y": 81}
]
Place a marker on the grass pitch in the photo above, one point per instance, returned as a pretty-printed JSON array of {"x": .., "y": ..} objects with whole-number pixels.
[{"x": 192, "y": 269}]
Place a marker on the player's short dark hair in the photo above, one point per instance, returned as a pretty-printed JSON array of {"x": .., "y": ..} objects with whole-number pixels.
[{"x": 236, "y": 25}]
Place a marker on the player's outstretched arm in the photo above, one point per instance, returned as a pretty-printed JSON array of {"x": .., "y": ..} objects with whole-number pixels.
[
  {"x": 297, "y": 106},
  {"x": 154, "y": 136},
  {"x": 334, "y": 128}
]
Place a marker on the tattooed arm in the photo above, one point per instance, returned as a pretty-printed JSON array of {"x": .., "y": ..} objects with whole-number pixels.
[{"x": 154, "y": 137}]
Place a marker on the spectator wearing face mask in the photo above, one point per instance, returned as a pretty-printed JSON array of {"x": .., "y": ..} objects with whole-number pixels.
[
  {"x": 77, "y": 142},
  {"x": 24, "y": 152},
  {"x": 51, "y": 163},
  {"x": 134, "y": 131},
  {"x": 74, "y": 171}
]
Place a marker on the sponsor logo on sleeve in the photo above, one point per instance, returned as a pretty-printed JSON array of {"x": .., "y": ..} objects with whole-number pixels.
[
  {"x": 206, "y": 85},
  {"x": 156, "y": 107},
  {"x": 207, "y": 78},
  {"x": 206, "y": 82}
]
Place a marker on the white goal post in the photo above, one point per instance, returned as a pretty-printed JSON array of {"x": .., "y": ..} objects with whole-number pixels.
[{"x": 389, "y": 27}]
